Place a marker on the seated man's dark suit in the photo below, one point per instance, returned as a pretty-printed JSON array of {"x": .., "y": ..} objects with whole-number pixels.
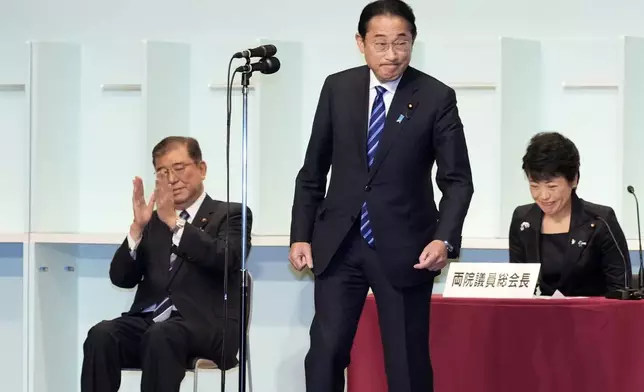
[{"x": 194, "y": 284}]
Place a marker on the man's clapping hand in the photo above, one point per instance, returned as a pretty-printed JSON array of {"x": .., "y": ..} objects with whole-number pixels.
[
  {"x": 165, "y": 201},
  {"x": 142, "y": 211}
]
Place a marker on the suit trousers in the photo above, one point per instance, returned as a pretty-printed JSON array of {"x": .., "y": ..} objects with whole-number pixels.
[
  {"x": 162, "y": 351},
  {"x": 403, "y": 314}
]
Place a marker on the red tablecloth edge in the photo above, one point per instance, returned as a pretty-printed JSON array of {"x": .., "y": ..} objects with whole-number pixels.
[{"x": 548, "y": 301}]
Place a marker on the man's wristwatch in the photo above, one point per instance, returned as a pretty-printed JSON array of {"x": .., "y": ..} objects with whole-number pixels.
[
  {"x": 178, "y": 225},
  {"x": 449, "y": 247}
]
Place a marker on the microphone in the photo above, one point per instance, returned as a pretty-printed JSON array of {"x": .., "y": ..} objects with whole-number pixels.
[
  {"x": 267, "y": 65},
  {"x": 260, "y": 51},
  {"x": 626, "y": 293},
  {"x": 640, "y": 276}
]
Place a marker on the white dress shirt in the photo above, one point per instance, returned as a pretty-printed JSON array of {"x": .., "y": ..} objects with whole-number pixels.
[{"x": 388, "y": 95}]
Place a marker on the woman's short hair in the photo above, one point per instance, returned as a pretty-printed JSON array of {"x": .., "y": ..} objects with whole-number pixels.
[{"x": 550, "y": 155}]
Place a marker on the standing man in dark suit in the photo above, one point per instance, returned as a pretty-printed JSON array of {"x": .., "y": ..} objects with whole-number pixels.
[
  {"x": 381, "y": 127},
  {"x": 175, "y": 255}
]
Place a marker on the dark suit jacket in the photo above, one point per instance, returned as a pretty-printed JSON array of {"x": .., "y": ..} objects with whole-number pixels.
[
  {"x": 594, "y": 264},
  {"x": 398, "y": 187},
  {"x": 195, "y": 284}
]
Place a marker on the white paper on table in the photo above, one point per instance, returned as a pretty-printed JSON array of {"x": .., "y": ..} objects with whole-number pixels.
[{"x": 557, "y": 294}]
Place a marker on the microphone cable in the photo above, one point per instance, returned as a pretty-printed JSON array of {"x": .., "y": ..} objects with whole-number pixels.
[
  {"x": 229, "y": 84},
  {"x": 627, "y": 285}
]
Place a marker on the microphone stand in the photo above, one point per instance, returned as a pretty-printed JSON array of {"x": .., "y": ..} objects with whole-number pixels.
[
  {"x": 267, "y": 65},
  {"x": 245, "y": 81},
  {"x": 640, "y": 276}
]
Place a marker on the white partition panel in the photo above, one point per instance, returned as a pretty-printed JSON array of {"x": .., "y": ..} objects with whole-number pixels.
[
  {"x": 280, "y": 154},
  {"x": 497, "y": 89},
  {"x": 112, "y": 142},
  {"x": 166, "y": 95},
  {"x": 581, "y": 84},
  {"x": 133, "y": 94},
  {"x": 14, "y": 169},
  {"x": 477, "y": 99},
  {"x": 520, "y": 106},
  {"x": 55, "y": 119},
  {"x": 418, "y": 57},
  {"x": 14, "y": 133},
  {"x": 52, "y": 322},
  {"x": 12, "y": 326},
  {"x": 632, "y": 121}
]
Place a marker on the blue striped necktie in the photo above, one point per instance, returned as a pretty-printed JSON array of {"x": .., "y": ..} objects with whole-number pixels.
[
  {"x": 376, "y": 125},
  {"x": 163, "y": 310}
]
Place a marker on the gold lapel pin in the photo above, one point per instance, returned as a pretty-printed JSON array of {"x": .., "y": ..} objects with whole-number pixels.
[
  {"x": 592, "y": 225},
  {"x": 410, "y": 106}
]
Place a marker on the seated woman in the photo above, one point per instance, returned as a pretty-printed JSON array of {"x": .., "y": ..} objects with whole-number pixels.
[{"x": 580, "y": 245}]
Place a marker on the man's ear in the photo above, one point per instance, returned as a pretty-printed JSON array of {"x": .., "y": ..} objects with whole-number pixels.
[
  {"x": 360, "y": 42},
  {"x": 203, "y": 167}
]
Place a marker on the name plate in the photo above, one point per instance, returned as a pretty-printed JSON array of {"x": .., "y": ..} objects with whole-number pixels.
[{"x": 491, "y": 280}]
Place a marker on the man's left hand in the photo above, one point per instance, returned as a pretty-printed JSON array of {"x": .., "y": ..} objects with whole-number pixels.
[
  {"x": 165, "y": 201},
  {"x": 433, "y": 257}
]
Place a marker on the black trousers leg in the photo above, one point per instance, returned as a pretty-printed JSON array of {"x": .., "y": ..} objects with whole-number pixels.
[
  {"x": 403, "y": 316},
  {"x": 168, "y": 347},
  {"x": 164, "y": 352},
  {"x": 340, "y": 294},
  {"x": 110, "y": 346}
]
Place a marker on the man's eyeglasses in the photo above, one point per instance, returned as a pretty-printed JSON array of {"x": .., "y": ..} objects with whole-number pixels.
[
  {"x": 177, "y": 169},
  {"x": 398, "y": 46}
]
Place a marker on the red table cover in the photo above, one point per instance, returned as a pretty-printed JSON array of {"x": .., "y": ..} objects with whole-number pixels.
[{"x": 508, "y": 345}]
